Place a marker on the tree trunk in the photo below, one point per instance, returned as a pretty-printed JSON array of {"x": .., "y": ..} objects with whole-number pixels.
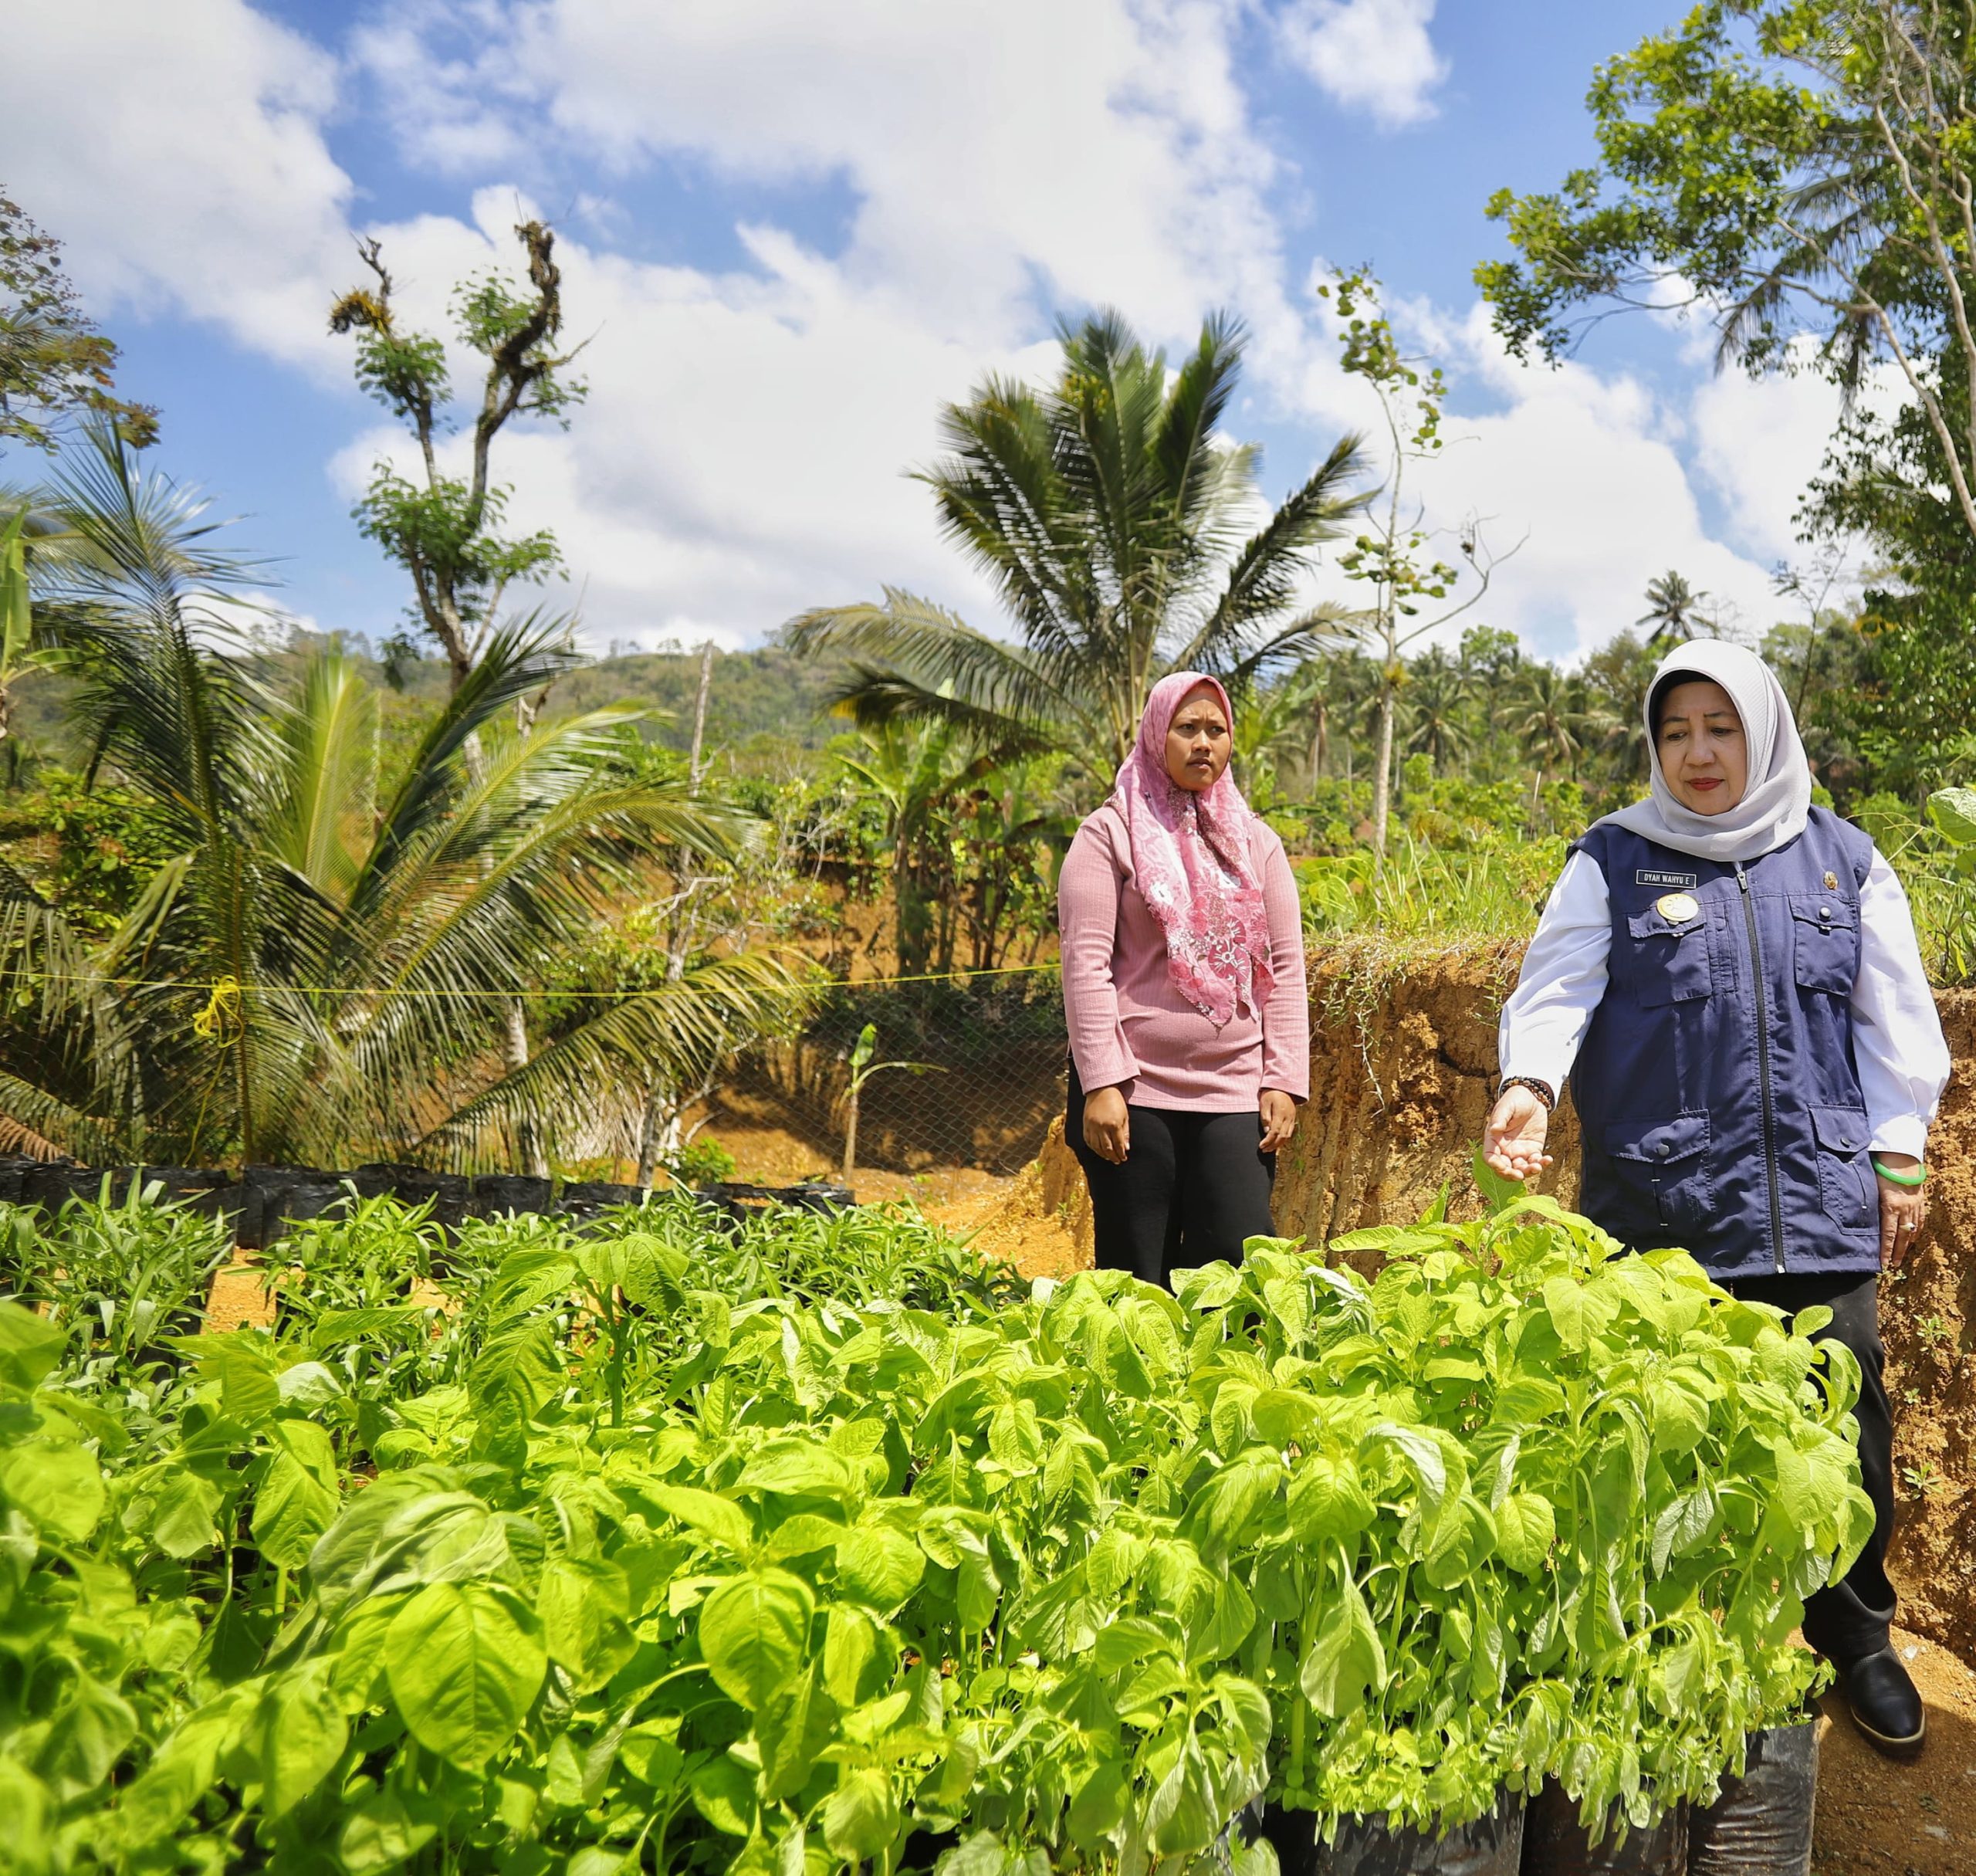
[
  {"x": 700, "y": 711},
  {"x": 1319, "y": 741},
  {"x": 528, "y": 1139},
  {"x": 850, "y": 1138},
  {"x": 649, "y": 1135},
  {"x": 1382, "y": 779}
]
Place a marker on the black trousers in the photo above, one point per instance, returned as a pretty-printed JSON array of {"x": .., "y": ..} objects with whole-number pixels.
[
  {"x": 1848, "y": 1621},
  {"x": 1192, "y": 1188}
]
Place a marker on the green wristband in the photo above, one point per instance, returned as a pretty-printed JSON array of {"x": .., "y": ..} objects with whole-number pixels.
[{"x": 1914, "y": 1178}]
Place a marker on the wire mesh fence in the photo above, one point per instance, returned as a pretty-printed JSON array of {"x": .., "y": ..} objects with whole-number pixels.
[{"x": 963, "y": 1074}]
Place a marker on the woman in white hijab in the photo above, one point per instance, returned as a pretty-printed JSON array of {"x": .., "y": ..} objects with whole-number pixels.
[{"x": 1729, "y": 977}]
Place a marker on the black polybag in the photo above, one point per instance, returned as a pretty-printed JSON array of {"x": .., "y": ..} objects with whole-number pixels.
[
  {"x": 1489, "y": 1845},
  {"x": 1556, "y": 1843},
  {"x": 1761, "y": 1825}
]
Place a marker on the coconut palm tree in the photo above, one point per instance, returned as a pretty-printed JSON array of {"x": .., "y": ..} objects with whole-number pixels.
[
  {"x": 1437, "y": 700},
  {"x": 1673, "y": 610},
  {"x": 1114, "y": 523},
  {"x": 324, "y": 964},
  {"x": 1547, "y": 715}
]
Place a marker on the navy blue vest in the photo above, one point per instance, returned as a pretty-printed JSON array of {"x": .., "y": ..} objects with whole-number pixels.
[{"x": 1717, "y": 1086}]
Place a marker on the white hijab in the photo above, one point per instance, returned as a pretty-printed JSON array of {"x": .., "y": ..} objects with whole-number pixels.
[{"x": 1778, "y": 796}]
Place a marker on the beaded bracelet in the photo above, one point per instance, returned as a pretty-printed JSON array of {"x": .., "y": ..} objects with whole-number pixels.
[
  {"x": 1914, "y": 1178},
  {"x": 1542, "y": 1089}
]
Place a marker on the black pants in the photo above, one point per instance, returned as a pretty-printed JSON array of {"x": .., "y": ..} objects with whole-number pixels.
[
  {"x": 1193, "y": 1187},
  {"x": 1849, "y": 1620}
]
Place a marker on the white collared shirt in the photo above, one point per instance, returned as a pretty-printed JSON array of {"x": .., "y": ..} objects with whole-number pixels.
[{"x": 1897, "y": 1041}]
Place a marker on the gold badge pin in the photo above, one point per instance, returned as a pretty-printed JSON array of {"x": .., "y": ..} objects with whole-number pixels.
[
  {"x": 1677, "y": 907},
  {"x": 1832, "y": 883}
]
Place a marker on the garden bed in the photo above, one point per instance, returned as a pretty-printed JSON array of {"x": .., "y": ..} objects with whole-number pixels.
[{"x": 677, "y": 1542}]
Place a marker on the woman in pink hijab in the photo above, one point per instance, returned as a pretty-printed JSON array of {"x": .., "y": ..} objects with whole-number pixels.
[{"x": 1184, "y": 991}]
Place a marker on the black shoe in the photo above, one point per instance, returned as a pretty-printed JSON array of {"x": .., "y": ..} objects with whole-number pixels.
[{"x": 1885, "y": 1704}]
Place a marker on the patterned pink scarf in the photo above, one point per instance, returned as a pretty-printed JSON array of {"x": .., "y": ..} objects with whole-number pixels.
[{"x": 1191, "y": 858}]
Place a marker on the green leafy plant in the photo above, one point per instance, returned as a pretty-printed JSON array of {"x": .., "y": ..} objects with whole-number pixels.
[{"x": 678, "y": 1545}]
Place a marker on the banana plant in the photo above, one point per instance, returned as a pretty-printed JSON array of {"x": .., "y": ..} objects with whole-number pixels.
[{"x": 862, "y": 1069}]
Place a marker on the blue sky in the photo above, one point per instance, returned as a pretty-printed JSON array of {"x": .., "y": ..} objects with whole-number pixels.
[{"x": 793, "y": 230}]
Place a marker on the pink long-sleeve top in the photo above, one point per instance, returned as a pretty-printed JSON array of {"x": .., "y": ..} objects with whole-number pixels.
[{"x": 1131, "y": 1027}]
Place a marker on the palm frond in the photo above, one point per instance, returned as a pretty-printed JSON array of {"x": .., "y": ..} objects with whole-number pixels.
[
  {"x": 1266, "y": 571},
  {"x": 926, "y": 649},
  {"x": 676, "y": 1030}
]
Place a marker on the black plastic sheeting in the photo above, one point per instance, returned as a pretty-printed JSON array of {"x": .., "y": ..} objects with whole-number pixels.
[
  {"x": 1556, "y": 1843},
  {"x": 1761, "y": 1823},
  {"x": 265, "y": 1201},
  {"x": 1489, "y": 1845}
]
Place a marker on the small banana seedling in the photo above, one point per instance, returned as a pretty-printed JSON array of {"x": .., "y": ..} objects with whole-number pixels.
[{"x": 862, "y": 1069}]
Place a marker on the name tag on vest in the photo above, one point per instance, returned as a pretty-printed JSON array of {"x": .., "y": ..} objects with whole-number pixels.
[{"x": 1652, "y": 876}]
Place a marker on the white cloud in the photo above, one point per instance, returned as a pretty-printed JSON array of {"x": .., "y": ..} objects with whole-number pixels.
[
  {"x": 179, "y": 153},
  {"x": 1102, "y": 148},
  {"x": 1588, "y": 471},
  {"x": 742, "y": 454},
  {"x": 1376, "y": 56}
]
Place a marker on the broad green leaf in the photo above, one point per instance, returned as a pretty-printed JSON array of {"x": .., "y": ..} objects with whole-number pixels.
[
  {"x": 297, "y": 1499},
  {"x": 753, "y": 1631},
  {"x": 861, "y": 1816},
  {"x": 724, "y": 1795},
  {"x": 1180, "y": 1814},
  {"x": 792, "y": 1727},
  {"x": 1565, "y": 1301},
  {"x": 1526, "y": 1525},
  {"x": 585, "y": 1603},
  {"x": 88, "y": 1733},
  {"x": 59, "y": 1487},
  {"x": 1345, "y": 1657},
  {"x": 1099, "y": 1807},
  {"x": 1524, "y": 1400},
  {"x": 243, "y": 1364},
  {"x": 1327, "y": 1499},
  {"x": 878, "y": 1565},
  {"x": 1498, "y": 1193},
  {"x": 854, "y": 1663},
  {"x": 181, "y": 1773},
  {"x": 1682, "y": 1524},
  {"x": 385, "y": 1830},
  {"x": 29, "y": 1347},
  {"x": 292, "y": 1738},
  {"x": 719, "y": 1518},
  {"x": 1681, "y": 1416},
  {"x": 802, "y": 1535},
  {"x": 650, "y": 1752},
  {"x": 798, "y": 1468},
  {"x": 181, "y": 1514},
  {"x": 463, "y": 1662},
  {"x": 1954, "y": 811}
]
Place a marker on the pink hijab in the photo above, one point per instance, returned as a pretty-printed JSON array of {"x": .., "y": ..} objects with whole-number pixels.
[{"x": 1191, "y": 858}]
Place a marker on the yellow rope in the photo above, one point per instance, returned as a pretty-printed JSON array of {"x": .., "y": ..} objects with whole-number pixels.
[{"x": 220, "y": 1020}]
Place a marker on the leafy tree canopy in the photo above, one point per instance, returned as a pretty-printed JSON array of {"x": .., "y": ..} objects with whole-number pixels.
[
  {"x": 53, "y": 363},
  {"x": 1800, "y": 171}
]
